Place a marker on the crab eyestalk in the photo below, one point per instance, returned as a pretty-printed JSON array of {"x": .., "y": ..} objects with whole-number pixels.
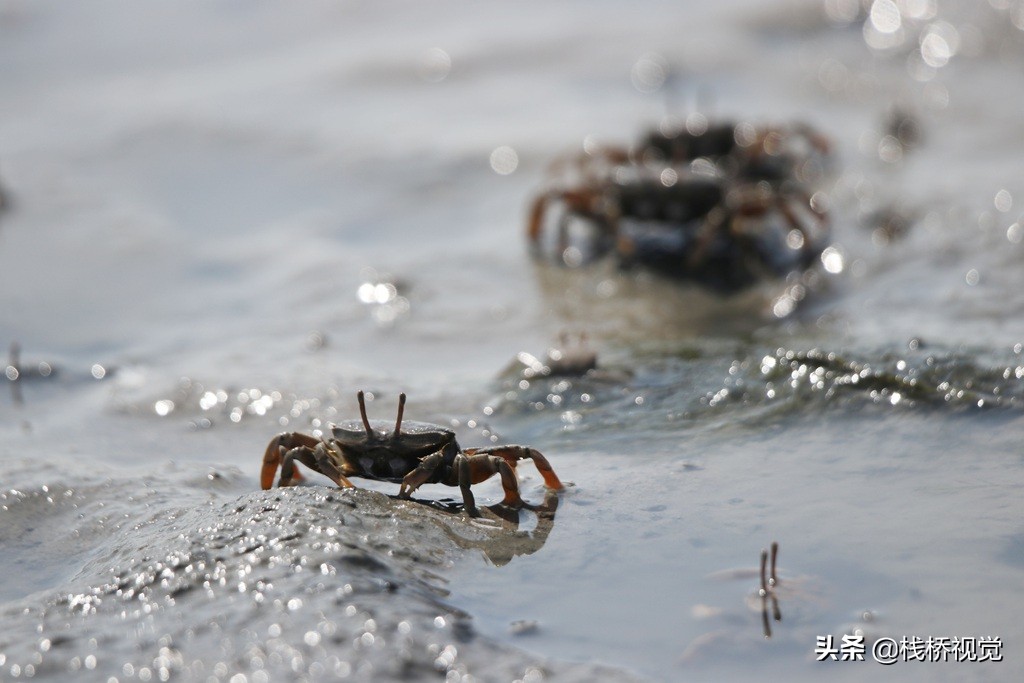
[
  {"x": 401, "y": 411},
  {"x": 773, "y": 578},
  {"x": 765, "y": 625},
  {"x": 764, "y": 579},
  {"x": 362, "y": 414}
]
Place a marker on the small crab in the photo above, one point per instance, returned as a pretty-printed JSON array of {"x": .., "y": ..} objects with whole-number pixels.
[
  {"x": 725, "y": 208},
  {"x": 767, "y": 590},
  {"x": 726, "y": 236},
  {"x": 410, "y": 453},
  {"x": 565, "y": 360}
]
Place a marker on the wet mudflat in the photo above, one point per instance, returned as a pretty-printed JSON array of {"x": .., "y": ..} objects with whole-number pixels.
[{"x": 221, "y": 224}]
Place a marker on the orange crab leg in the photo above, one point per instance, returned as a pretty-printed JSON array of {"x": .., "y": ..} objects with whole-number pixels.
[
  {"x": 581, "y": 202},
  {"x": 537, "y": 211},
  {"x": 483, "y": 467},
  {"x": 512, "y": 454},
  {"x": 278, "y": 446},
  {"x": 473, "y": 469}
]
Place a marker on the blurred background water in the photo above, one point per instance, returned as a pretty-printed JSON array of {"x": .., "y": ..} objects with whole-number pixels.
[{"x": 222, "y": 219}]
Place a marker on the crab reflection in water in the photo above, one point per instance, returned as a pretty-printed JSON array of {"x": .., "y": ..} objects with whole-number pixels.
[{"x": 498, "y": 532}]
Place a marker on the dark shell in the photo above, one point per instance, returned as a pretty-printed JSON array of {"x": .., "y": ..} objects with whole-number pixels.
[{"x": 416, "y": 438}]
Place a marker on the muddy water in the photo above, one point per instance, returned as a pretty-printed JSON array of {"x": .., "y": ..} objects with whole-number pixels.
[{"x": 221, "y": 221}]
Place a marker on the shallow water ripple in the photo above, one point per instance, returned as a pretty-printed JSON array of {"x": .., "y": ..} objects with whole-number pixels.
[{"x": 916, "y": 379}]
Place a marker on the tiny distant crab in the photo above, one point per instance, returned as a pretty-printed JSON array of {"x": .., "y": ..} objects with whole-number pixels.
[
  {"x": 767, "y": 591},
  {"x": 567, "y": 360},
  {"x": 725, "y": 237},
  {"x": 772, "y": 590},
  {"x": 725, "y": 208},
  {"x": 410, "y": 453}
]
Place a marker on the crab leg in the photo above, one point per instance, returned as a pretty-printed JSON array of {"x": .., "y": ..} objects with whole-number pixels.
[
  {"x": 715, "y": 223},
  {"x": 512, "y": 454},
  {"x": 536, "y": 223},
  {"x": 583, "y": 203},
  {"x": 563, "y": 236},
  {"x": 278, "y": 446},
  {"x": 820, "y": 218},
  {"x": 284, "y": 449},
  {"x": 473, "y": 469}
]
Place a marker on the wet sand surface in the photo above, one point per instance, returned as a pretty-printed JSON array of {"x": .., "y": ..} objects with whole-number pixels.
[{"x": 221, "y": 221}]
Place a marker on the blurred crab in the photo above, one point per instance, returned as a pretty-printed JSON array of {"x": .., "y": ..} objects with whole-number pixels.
[
  {"x": 566, "y": 360},
  {"x": 725, "y": 208},
  {"x": 726, "y": 237},
  {"x": 730, "y": 150},
  {"x": 741, "y": 150},
  {"x": 410, "y": 453}
]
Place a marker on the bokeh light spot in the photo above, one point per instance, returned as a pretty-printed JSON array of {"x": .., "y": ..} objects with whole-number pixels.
[{"x": 504, "y": 160}]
